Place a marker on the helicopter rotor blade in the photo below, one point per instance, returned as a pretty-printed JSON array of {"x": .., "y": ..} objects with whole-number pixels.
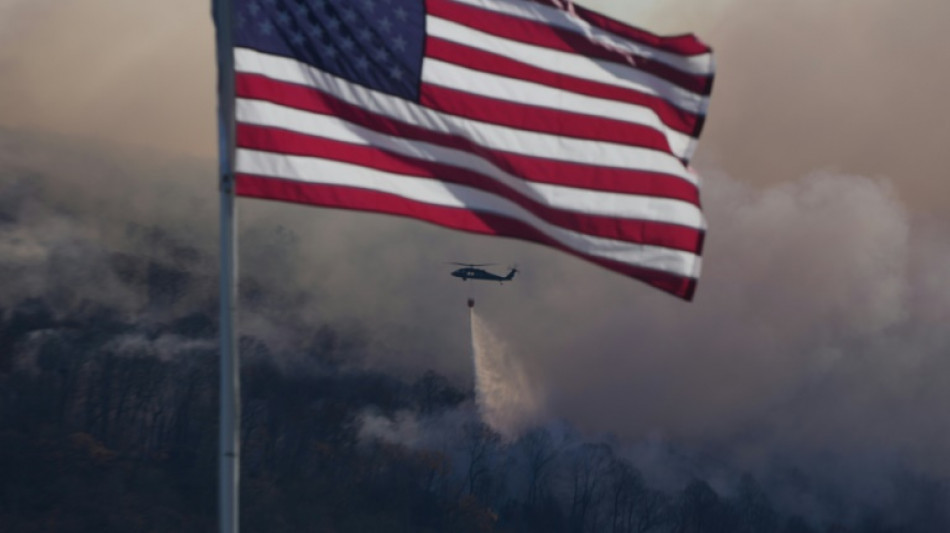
[{"x": 470, "y": 264}]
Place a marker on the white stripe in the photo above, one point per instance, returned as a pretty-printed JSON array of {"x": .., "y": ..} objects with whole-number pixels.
[
  {"x": 629, "y": 206},
  {"x": 492, "y": 136},
  {"x": 430, "y": 191},
  {"x": 700, "y": 64},
  {"x": 437, "y": 72},
  {"x": 592, "y": 69}
]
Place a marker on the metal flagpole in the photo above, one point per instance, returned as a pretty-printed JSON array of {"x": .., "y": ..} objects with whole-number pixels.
[{"x": 229, "y": 414}]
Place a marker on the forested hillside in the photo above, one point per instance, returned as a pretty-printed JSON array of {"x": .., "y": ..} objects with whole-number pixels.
[{"x": 110, "y": 425}]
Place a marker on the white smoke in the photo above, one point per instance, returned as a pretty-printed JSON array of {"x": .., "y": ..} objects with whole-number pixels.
[{"x": 508, "y": 400}]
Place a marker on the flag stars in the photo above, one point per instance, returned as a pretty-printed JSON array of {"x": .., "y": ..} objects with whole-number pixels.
[
  {"x": 399, "y": 43},
  {"x": 375, "y": 43}
]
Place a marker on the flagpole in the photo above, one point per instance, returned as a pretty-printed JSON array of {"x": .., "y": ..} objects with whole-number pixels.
[{"x": 229, "y": 414}]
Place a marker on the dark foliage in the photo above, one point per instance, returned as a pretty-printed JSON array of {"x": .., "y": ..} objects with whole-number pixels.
[
  {"x": 97, "y": 435},
  {"x": 108, "y": 423}
]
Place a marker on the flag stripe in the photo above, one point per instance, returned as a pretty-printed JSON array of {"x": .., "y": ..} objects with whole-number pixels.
[
  {"x": 685, "y": 45},
  {"x": 488, "y": 97},
  {"x": 684, "y": 52},
  {"x": 451, "y": 217},
  {"x": 599, "y": 202},
  {"x": 540, "y": 119},
  {"x": 642, "y": 207},
  {"x": 539, "y": 33},
  {"x": 675, "y": 118},
  {"x": 597, "y": 70},
  {"x": 540, "y": 204},
  {"x": 310, "y": 112},
  {"x": 537, "y": 150},
  {"x": 429, "y": 191}
]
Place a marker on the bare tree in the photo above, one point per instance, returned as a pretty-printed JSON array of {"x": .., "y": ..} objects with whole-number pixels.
[
  {"x": 588, "y": 466},
  {"x": 652, "y": 509},
  {"x": 481, "y": 444},
  {"x": 540, "y": 454}
]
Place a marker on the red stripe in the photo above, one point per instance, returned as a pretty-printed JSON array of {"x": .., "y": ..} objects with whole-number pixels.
[
  {"x": 460, "y": 219},
  {"x": 674, "y": 117},
  {"x": 541, "y": 119},
  {"x": 539, "y": 34},
  {"x": 637, "y": 231},
  {"x": 686, "y": 44},
  {"x": 530, "y": 168}
]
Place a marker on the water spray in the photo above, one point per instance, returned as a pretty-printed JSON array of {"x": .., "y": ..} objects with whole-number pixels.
[{"x": 507, "y": 400}]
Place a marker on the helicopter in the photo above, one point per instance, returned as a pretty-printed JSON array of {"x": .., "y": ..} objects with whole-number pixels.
[{"x": 471, "y": 271}]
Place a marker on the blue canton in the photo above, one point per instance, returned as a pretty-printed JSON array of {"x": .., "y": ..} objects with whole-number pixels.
[{"x": 375, "y": 43}]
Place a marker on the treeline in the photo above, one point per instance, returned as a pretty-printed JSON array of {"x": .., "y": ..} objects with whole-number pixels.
[{"x": 108, "y": 425}]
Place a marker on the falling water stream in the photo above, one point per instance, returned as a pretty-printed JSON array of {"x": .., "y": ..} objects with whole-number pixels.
[{"x": 508, "y": 401}]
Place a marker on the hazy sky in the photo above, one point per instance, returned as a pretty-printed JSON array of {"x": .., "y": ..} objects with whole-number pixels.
[
  {"x": 848, "y": 85},
  {"x": 820, "y": 324}
]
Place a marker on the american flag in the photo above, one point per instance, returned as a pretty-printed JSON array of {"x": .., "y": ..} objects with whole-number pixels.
[{"x": 532, "y": 119}]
